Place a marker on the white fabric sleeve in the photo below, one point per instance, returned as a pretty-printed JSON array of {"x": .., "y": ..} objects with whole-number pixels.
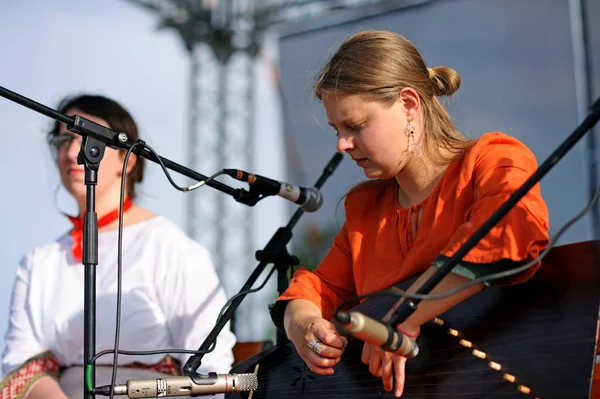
[
  {"x": 192, "y": 297},
  {"x": 20, "y": 340}
]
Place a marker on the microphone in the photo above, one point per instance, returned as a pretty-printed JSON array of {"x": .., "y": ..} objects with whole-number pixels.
[
  {"x": 375, "y": 332},
  {"x": 198, "y": 384},
  {"x": 309, "y": 198}
]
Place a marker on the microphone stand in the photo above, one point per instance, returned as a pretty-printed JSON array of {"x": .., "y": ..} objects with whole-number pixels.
[
  {"x": 95, "y": 139},
  {"x": 408, "y": 306},
  {"x": 274, "y": 252}
]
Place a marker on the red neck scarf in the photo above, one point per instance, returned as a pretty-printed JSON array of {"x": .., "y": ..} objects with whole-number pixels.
[{"x": 77, "y": 232}]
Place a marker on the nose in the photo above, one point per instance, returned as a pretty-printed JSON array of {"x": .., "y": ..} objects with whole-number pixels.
[
  {"x": 73, "y": 150},
  {"x": 345, "y": 143}
]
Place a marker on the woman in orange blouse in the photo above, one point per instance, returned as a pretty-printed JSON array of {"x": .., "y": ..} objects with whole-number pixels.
[{"x": 430, "y": 188}]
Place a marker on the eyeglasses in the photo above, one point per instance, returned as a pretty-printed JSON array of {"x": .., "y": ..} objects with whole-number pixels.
[{"x": 62, "y": 142}]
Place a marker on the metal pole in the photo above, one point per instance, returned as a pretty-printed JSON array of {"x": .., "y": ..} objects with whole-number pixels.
[
  {"x": 192, "y": 144},
  {"x": 583, "y": 93}
]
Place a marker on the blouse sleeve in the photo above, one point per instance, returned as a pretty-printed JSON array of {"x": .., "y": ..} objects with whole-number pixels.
[
  {"x": 21, "y": 342},
  {"x": 331, "y": 282},
  {"x": 500, "y": 167}
]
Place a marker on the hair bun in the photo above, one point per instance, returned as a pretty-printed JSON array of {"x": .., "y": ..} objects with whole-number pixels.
[{"x": 445, "y": 80}]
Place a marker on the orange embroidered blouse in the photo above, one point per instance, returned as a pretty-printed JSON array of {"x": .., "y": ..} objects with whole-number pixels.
[{"x": 376, "y": 247}]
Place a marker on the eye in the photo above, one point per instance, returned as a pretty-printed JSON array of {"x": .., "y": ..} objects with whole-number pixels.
[
  {"x": 61, "y": 141},
  {"x": 355, "y": 128}
]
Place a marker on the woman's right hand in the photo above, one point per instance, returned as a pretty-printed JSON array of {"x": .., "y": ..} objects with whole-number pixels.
[
  {"x": 321, "y": 357},
  {"x": 305, "y": 325}
]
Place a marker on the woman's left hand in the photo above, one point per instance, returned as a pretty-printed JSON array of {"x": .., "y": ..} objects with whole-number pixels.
[{"x": 386, "y": 365}]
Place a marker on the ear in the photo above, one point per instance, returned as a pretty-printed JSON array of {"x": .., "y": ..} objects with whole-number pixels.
[{"x": 410, "y": 101}]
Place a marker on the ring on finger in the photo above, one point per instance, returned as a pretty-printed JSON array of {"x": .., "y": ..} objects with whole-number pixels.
[{"x": 315, "y": 346}]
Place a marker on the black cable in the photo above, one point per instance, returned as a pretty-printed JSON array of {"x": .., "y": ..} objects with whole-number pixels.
[
  {"x": 490, "y": 277},
  {"x": 115, "y": 351},
  {"x": 148, "y": 353},
  {"x": 230, "y": 301},
  {"x": 120, "y": 266},
  {"x": 164, "y": 168},
  {"x": 260, "y": 287},
  {"x": 191, "y": 352}
]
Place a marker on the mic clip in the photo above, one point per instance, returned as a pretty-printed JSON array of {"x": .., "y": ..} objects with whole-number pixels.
[
  {"x": 199, "y": 379},
  {"x": 249, "y": 198},
  {"x": 256, "y": 193},
  {"x": 389, "y": 344}
]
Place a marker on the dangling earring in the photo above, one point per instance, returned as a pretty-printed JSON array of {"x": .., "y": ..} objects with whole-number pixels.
[{"x": 414, "y": 149}]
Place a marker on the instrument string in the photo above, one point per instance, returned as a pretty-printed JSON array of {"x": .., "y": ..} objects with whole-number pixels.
[{"x": 300, "y": 374}]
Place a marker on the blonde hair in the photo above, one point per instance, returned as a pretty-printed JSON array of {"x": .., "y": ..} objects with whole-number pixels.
[{"x": 378, "y": 64}]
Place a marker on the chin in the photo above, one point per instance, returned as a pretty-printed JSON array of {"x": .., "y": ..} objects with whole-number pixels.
[{"x": 376, "y": 174}]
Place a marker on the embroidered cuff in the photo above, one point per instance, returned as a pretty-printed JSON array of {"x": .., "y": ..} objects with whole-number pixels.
[{"x": 16, "y": 384}]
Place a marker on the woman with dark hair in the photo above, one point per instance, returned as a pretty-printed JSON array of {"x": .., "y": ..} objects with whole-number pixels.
[{"x": 171, "y": 295}]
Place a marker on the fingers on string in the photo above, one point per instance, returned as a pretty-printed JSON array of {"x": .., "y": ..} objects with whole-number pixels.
[
  {"x": 331, "y": 338},
  {"x": 385, "y": 365},
  {"x": 381, "y": 364},
  {"x": 316, "y": 362},
  {"x": 320, "y": 361},
  {"x": 387, "y": 371},
  {"x": 366, "y": 353},
  {"x": 316, "y": 368},
  {"x": 375, "y": 361},
  {"x": 399, "y": 375}
]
